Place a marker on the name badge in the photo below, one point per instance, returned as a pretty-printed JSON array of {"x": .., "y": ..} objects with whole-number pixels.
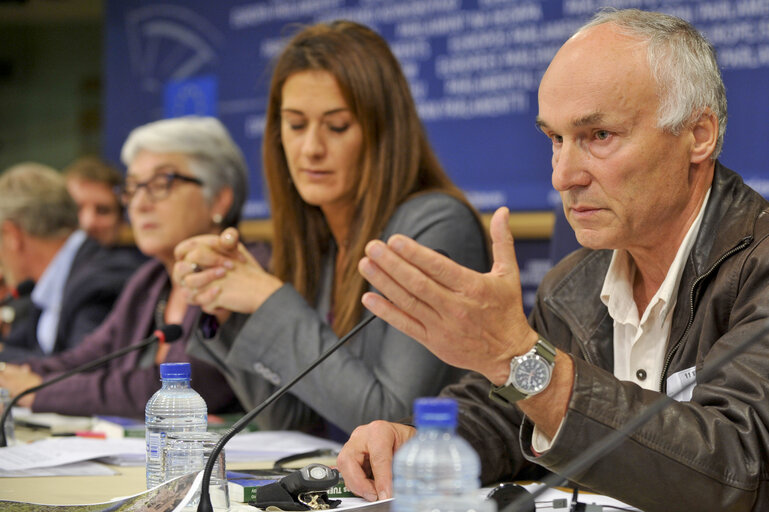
[{"x": 678, "y": 381}]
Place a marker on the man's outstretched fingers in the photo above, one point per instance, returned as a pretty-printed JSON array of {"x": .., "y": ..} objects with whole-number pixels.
[
  {"x": 434, "y": 263},
  {"x": 393, "y": 315},
  {"x": 502, "y": 244},
  {"x": 406, "y": 285}
]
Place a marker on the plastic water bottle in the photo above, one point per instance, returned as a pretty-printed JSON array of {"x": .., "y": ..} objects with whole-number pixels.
[
  {"x": 435, "y": 463},
  {"x": 176, "y": 407}
]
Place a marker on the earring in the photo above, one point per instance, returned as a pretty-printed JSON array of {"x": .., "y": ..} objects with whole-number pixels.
[{"x": 217, "y": 218}]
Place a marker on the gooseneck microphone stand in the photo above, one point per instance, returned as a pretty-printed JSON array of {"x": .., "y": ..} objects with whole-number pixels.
[{"x": 205, "y": 498}]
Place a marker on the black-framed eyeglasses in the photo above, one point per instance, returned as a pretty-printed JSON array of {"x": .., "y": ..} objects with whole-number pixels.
[{"x": 158, "y": 187}]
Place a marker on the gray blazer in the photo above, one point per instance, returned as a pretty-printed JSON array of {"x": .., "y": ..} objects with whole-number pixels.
[{"x": 377, "y": 374}]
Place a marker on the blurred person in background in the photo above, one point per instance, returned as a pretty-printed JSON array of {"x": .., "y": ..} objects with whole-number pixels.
[
  {"x": 76, "y": 280},
  {"x": 92, "y": 183},
  {"x": 185, "y": 177},
  {"x": 95, "y": 186}
]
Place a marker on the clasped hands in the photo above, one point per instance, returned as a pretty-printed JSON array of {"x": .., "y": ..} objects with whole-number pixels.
[{"x": 219, "y": 274}]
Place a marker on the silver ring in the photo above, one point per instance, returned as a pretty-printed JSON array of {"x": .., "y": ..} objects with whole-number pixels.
[{"x": 195, "y": 268}]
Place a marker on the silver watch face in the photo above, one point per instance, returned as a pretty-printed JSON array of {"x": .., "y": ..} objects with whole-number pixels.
[{"x": 531, "y": 374}]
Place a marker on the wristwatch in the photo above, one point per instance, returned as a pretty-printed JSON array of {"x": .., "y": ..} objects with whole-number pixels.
[{"x": 529, "y": 374}]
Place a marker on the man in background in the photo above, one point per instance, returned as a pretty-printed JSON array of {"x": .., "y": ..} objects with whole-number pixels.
[
  {"x": 91, "y": 182},
  {"x": 77, "y": 280}
]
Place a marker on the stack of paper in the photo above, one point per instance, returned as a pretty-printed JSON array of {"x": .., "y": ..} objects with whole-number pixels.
[
  {"x": 25, "y": 459},
  {"x": 55, "y": 423}
]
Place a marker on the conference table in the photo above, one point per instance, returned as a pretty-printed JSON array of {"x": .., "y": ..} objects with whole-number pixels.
[
  {"x": 130, "y": 481},
  {"x": 74, "y": 490},
  {"x": 81, "y": 490}
]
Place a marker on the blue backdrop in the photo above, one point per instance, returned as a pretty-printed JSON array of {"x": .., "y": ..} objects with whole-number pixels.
[{"x": 473, "y": 66}]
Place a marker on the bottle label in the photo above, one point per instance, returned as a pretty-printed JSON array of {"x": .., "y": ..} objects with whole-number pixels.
[{"x": 155, "y": 444}]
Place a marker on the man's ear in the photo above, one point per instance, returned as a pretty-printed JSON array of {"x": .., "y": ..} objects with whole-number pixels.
[
  {"x": 705, "y": 132},
  {"x": 12, "y": 235}
]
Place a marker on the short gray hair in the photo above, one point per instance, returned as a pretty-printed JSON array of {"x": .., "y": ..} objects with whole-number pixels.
[
  {"x": 34, "y": 197},
  {"x": 215, "y": 159},
  {"x": 682, "y": 62}
]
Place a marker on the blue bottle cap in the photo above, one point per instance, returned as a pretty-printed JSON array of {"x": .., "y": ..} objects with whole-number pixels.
[
  {"x": 435, "y": 412},
  {"x": 175, "y": 371}
]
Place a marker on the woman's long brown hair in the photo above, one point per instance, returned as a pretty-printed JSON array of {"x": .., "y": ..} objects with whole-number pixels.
[{"x": 396, "y": 161}]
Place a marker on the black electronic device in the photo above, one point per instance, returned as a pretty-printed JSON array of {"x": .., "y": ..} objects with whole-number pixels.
[
  {"x": 303, "y": 489},
  {"x": 313, "y": 477}
]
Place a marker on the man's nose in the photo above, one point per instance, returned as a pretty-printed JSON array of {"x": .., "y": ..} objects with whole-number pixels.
[{"x": 569, "y": 166}]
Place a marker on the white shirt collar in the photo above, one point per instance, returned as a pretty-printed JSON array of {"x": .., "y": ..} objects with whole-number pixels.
[
  {"x": 617, "y": 291},
  {"x": 49, "y": 289}
]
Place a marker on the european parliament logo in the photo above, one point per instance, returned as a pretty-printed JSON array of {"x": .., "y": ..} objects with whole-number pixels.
[
  {"x": 195, "y": 96},
  {"x": 173, "y": 52}
]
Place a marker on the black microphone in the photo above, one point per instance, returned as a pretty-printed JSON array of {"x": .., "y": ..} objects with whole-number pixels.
[
  {"x": 610, "y": 442},
  {"x": 22, "y": 290},
  {"x": 205, "y": 498},
  {"x": 167, "y": 334}
]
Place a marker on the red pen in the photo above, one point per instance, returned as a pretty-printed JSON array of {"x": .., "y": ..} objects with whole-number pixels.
[{"x": 90, "y": 433}]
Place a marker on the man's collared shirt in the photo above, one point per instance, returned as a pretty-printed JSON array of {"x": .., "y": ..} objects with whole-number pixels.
[
  {"x": 49, "y": 290},
  {"x": 639, "y": 344}
]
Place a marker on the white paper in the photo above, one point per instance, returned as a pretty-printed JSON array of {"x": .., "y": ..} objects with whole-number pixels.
[
  {"x": 347, "y": 504},
  {"x": 272, "y": 445},
  {"x": 246, "y": 447},
  {"x": 125, "y": 459},
  {"x": 74, "y": 469},
  {"x": 545, "y": 501},
  {"x": 56, "y": 451},
  {"x": 56, "y": 423}
]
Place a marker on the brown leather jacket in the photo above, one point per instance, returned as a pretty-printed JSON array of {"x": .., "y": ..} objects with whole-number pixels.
[{"x": 711, "y": 453}]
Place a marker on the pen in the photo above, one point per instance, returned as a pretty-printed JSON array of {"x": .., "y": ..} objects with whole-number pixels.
[{"x": 81, "y": 433}]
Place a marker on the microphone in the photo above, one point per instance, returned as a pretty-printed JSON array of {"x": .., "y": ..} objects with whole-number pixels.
[
  {"x": 205, "y": 498},
  {"x": 167, "y": 334},
  {"x": 23, "y": 289},
  {"x": 610, "y": 442},
  {"x": 7, "y": 310}
]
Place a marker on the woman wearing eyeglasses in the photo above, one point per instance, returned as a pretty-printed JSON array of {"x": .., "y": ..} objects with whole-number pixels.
[
  {"x": 185, "y": 177},
  {"x": 346, "y": 160}
]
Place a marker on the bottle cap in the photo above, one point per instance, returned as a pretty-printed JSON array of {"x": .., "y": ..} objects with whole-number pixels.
[
  {"x": 435, "y": 412},
  {"x": 175, "y": 371}
]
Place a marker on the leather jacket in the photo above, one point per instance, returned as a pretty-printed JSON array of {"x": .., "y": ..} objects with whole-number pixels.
[{"x": 710, "y": 453}]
